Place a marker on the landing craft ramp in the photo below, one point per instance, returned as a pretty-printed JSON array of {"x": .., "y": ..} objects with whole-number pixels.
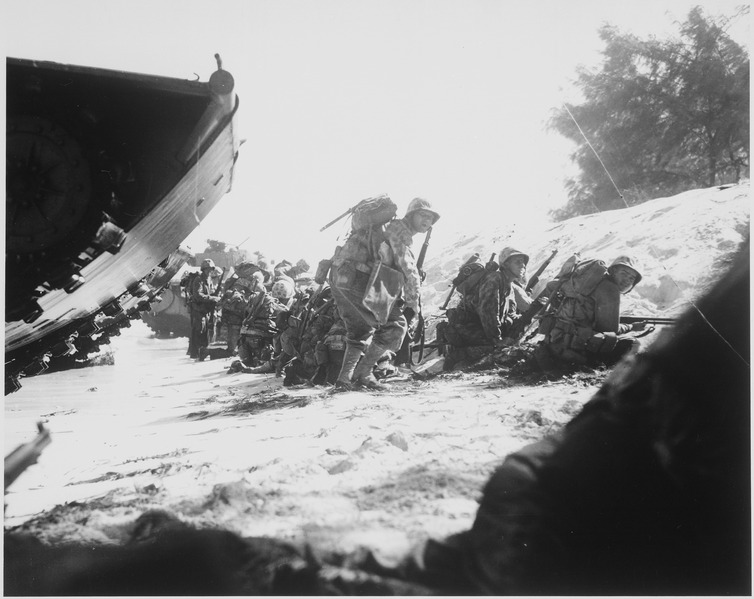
[{"x": 107, "y": 173}]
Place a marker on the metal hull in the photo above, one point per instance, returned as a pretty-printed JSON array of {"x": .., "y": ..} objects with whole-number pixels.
[{"x": 195, "y": 159}]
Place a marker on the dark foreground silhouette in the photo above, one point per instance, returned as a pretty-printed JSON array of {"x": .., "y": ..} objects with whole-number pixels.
[{"x": 646, "y": 491}]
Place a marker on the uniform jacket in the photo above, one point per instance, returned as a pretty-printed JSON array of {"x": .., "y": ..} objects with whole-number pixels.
[
  {"x": 363, "y": 248},
  {"x": 261, "y": 313},
  {"x": 203, "y": 299},
  {"x": 234, "y": 307},
  {"x": 399, "y": 239},
  {"x": 494, "y": 302}
]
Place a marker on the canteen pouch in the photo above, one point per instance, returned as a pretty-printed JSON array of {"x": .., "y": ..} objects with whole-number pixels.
[{"x": 602, "y": 343}]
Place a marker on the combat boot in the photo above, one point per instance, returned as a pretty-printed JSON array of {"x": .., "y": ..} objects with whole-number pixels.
[
  {"x": 350, "y": 360},
  {"x": 363, "y": 374}
]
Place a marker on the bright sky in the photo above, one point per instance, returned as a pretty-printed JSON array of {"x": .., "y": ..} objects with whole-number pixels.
[{"x": 346, "y": 99}]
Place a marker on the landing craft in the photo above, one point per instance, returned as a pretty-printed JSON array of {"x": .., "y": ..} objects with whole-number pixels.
[{"x": 107, "y": 172}]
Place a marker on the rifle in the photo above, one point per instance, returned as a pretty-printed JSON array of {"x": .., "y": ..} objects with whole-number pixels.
[
  {"x": 25, "y": 455},
  {"x": 648, "y": 320},
  {"x": 220, "y": 282},
  {"x": 521, "y": 325},
  {"x": 492, "y": 264},
  {"x": 311, "y": 312},
  {"x": 418, "y": 336},
  {"x": 535, "y": 277},
  {"x": 351, "y": 211},
  {"x": 406, "y": 352},
  {"x": 422, "y": 255},
  {"x": 447, "y": 299}
]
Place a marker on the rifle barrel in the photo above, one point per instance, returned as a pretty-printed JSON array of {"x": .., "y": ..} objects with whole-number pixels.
[
  {"x": 335, "y": 220},
  {"x": 535, "y": 277},
  {"x": 423, "y": 251},
  {"x": 447, "y": 299},
  {"x": 647, "y": 319}
]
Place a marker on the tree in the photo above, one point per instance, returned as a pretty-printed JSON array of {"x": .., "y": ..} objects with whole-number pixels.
[{"x": 661, "y": 117}]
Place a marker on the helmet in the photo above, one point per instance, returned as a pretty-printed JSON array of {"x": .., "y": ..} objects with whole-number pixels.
[
  {"x": 283, "y": 289},
  {"x": 628, "y": 262},
  {"x": 422, "y": 204},
  {"x": 509, "y": 252},
  {"x": 207, "y": 264}
]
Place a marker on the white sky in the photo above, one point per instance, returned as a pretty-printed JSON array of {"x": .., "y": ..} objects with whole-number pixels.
[{"x": 345, "y": 99}]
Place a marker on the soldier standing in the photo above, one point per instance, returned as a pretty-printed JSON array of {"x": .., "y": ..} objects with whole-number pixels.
[
  {"x": 203, "y": 302},
  {"x": 369, "y": 337}
]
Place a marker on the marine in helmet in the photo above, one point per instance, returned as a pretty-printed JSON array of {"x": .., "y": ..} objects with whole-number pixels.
[
  {"x": 258, "y": 327},
  {"x": 586, "y": 328},
  {"x": 202, "y": 305},
  {"x": 487, "y": 310},
  {"x": 285, "y": 332},
  {"x": 624, "y": 274},
  {"x": 373, "y": 331},
  {"x": 233, "y": 305},
  {"x": 283, "y": 290}
]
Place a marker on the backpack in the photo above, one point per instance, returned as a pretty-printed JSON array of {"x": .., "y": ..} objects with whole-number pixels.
[
  {"x": 471, "y": 274},
  {"x": 584, "y": 277},
  {"x": 577, "y": 278},
  {"x": 379, "y": 211},
  {"x": 186, "y": 284},
  {"x": 233, "y": 303}
]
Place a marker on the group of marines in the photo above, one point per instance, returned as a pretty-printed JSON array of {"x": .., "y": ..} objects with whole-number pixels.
[{"x": 348, "y": 329}]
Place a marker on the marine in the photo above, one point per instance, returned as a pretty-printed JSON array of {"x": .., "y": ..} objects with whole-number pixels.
[
  {"x": 489, "y": 306},
  {"x": 203, "y": 300},
  {"x": 583, "y": 327},
  {"x": 258, "y": 327},
  {"x": 374, "y": 322},
  {"x": 233, "y": 307}
]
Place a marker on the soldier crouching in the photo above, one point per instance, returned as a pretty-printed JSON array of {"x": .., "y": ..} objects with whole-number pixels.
[
  {"x": 585, "y": 329},
  {"x": 483, "y": 319}
]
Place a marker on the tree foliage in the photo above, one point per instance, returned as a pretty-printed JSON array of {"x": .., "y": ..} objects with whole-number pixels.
[{"x": 661, "y": 116}]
